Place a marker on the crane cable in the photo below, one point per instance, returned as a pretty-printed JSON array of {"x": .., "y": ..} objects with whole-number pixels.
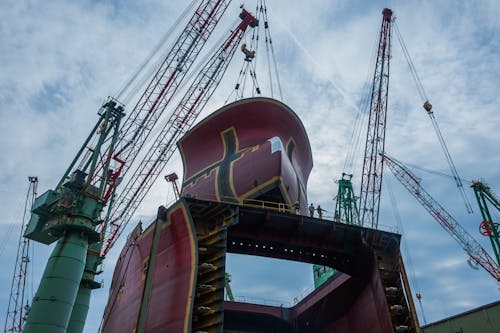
[
  {"x": 428, "y": 108},
  {"x": 435, "y": 172},
  {"x": 134, "y": 83},
  {"x": 361, "y": 117},
  {"x": 190, "y": 77},
  {"x": 399, "y": 223},
  {"x": 248, "y": 71},
  {"x": 247, "y": 68},
  {"x": 141, "y": 69},
  {"x": 270, "y": 46}
]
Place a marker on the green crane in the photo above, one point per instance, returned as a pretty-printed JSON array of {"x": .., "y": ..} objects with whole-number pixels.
[
  {"x": 69, "y": 214},
  {"x": 346, "y": 211},
  {"x": 488, "y": 227}
]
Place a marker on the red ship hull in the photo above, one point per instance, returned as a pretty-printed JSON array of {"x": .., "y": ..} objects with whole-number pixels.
[
  {"x": 252, "y": 149},
  {"x": 153, "y": 281}
]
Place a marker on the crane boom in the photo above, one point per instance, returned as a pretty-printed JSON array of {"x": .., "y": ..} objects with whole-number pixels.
[
  {"x": 179, "y": 122},
  {"x": 445, "y": 219},
  {"x": 371, "y": 181},
  {"x": 137, "y": 126},
  {"x": 166, "y": 81},
  {"x": 16, "y": 309}
]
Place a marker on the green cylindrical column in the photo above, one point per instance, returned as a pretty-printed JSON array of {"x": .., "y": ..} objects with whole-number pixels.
[
  {"x": 53, "y": 302},
  {"x": 80, "y": 310},
  {"x": 87, "y": 284}
]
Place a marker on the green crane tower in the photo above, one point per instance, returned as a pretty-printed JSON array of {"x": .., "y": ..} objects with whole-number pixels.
[
  {"x": 346, "y": 211},
  {"x": 69, "y": 214},
  {"x": 488, "y": 227}
]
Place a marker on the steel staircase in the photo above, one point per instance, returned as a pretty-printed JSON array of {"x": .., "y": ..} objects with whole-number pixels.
[{"x": 208, "y": 308}]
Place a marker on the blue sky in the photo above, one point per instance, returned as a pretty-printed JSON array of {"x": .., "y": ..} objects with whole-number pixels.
[{"x": 61, "y": 59}]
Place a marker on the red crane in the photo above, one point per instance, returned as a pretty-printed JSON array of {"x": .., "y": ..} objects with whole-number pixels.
[
  {"x": 179, "y": 122},
  {"x": 141, "y": 120},
  {"x": 373, "y": 164},
  {"x": 445, "y": 219}
]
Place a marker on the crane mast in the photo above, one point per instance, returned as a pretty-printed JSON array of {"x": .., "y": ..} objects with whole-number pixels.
[
  {"x": 445, "y": 219},
  {"x": 371, "y": 181},
  {"x": 71, "y": 213},
  {"x": 16, "y": 308}
]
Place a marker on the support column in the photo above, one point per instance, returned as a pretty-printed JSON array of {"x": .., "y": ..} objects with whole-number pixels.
[{"x": 53, "y": 302}]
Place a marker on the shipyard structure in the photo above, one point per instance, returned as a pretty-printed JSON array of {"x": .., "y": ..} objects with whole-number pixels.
[{"x": 244, "y": 191}]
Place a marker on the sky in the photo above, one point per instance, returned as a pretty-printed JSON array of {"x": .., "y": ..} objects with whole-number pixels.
[{"x": 61, "y": 59}]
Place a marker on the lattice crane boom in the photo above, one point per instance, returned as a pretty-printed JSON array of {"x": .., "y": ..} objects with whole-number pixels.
[
  {"x": 445, "y": 219},
  {"x": 179, "y": 122},
  {"x": 141, "y": 120},
  {"x": 371, "y": 181},
  {"x": 16, "y": 308}
]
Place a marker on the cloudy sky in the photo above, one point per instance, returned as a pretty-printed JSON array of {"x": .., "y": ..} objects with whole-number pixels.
[{"x": 61, "y": 59}]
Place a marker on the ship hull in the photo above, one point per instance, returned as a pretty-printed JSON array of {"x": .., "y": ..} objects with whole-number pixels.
[
  {"x": 246, "y": 168},
  {"x": 153, "y": 283},
  {"x": 251, "y": 149}
]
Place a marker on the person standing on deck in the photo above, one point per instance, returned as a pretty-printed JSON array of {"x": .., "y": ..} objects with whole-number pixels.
[
  {"x": 320, "y": 211},
  {"x": 311, "y": 210}
]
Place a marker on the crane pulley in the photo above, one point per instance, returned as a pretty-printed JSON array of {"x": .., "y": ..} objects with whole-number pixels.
[{"x": 476, "y": 252}]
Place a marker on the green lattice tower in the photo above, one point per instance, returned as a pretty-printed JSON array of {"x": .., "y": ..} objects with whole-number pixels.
[{"x": 346, "y": 209}]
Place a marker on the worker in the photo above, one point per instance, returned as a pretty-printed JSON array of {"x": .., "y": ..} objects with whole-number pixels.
[
  {"x": 249, "y": 55},
  {"x": 320, "y": 211},
  {"x": 311, "y": 210}
]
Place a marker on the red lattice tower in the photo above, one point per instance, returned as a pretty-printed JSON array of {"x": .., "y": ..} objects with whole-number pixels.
[{"x": 371, "y": 181}]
